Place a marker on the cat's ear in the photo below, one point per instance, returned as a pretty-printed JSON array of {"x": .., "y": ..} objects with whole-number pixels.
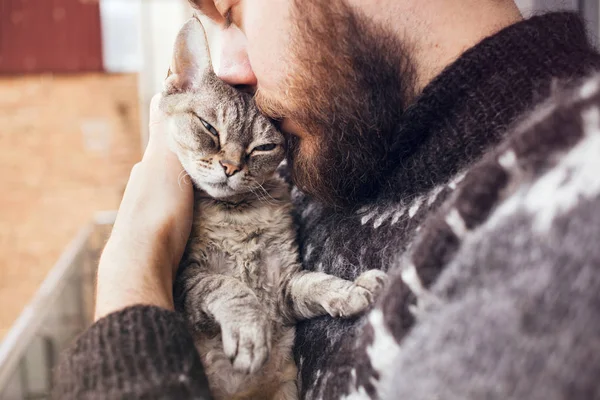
[{"x": 191, "y": 58}]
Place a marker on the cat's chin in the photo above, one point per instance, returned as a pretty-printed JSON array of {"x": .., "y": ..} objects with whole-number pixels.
[
  {"x": 223, "y": 192},
  {"x": 218, "y": 190}
]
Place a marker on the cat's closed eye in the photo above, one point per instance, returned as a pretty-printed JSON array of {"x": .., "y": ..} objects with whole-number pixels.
[
  {"x": 208, "y": 127},
  {"x": 265, "y": 147}
]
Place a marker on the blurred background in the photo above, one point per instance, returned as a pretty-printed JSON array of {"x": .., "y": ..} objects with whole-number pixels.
[{"x": 76, "y": 79}]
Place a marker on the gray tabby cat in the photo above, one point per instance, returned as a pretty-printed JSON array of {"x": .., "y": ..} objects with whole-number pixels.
[{"x": 241, "y": 286}]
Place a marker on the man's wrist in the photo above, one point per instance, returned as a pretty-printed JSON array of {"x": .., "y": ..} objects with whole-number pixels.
[{"x": 124, "y": 280}]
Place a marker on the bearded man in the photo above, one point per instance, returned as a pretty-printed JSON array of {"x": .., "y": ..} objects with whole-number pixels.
[{"x": 448, "y": 142}]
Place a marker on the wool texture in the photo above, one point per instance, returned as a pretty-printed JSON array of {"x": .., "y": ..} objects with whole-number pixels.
[{"x": 139, "y": 353}]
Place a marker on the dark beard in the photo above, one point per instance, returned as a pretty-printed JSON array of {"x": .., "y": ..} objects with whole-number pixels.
[{"x": 350, "y": 86}]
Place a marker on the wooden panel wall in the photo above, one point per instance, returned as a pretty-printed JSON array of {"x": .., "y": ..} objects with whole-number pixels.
[
  {"x": 50, "y": 36},
  {"x": 67, "y": 146}
]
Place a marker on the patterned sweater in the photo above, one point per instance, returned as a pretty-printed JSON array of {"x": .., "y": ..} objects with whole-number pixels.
[{"x": 489, "y": 227}]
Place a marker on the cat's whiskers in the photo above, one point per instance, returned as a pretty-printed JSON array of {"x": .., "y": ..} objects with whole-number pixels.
[
  {"x": 260, "y": 197},
  {"x": 266, "y": 192},
  {"x": 182, "y": 177},
  {"x": 262, "y": 194}
]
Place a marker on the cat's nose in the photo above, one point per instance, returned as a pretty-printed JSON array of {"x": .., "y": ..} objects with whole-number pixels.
[{"x": 230, "y": 167}]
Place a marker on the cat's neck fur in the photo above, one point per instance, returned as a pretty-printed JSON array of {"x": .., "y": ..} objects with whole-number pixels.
[{"x": 273, "y": 192}]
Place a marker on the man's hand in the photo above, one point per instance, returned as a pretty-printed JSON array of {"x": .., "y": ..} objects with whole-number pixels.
[{"x": 153, "y": 224}]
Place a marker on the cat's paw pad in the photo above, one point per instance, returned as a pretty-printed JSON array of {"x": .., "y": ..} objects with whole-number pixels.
[
  {"x": 247, "y": 343},
  {"x": 373, "y": 281},
  {"x": 350, "y": 303},
  {"x": 358, "y": 296}
]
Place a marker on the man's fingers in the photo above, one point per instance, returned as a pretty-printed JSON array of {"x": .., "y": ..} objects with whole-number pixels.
[
  {"x": 157, "y": 140},
  {"x": 156, "y": 115}
]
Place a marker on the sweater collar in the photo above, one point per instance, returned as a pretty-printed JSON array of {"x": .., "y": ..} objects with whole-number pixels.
[{"x": 469, "y": 107}]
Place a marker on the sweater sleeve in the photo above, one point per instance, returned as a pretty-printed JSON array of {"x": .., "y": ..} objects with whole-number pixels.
[{"x": 140, "y": 352}]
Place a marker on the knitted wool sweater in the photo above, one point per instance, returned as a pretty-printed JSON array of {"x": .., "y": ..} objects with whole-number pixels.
[
  {"x": 488, "y": 226},
  {"x": 463, "y": 115}
]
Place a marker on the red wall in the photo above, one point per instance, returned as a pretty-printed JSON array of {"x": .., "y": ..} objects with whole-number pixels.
[{"x": 50, "y": 36}]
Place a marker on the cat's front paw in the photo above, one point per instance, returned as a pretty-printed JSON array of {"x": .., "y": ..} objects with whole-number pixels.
[
  {"x": 358, "y": 296},
  {"x": 247, "y": 342},
  {"x": 373, "y": 281}
]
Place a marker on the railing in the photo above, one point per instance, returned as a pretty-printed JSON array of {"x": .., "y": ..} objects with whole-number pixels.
[{"x": 60, "y": 310}]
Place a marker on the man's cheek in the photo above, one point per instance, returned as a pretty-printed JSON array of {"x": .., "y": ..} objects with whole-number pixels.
[
  {"x": 267, "y": 30},
  {"x": 266, "y": 66}
]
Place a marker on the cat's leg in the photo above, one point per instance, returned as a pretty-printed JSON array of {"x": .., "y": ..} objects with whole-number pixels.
[
  {"x": 245, "y": 329},
  {"x": 311, "y": 294}
]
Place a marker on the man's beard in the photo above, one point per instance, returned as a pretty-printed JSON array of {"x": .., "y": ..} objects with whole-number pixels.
[{"x": 348, "y": 88}]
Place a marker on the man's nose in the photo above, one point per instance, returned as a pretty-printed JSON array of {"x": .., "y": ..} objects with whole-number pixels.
[{"x": 234, "y": 67}]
